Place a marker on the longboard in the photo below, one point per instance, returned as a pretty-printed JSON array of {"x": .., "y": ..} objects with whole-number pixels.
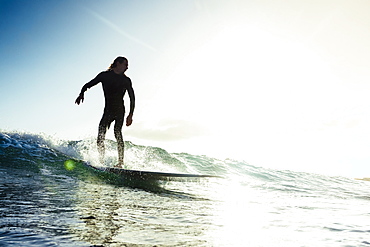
[{"x": 147, "y": 175}]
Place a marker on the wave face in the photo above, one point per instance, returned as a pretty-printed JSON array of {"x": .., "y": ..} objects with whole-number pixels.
[{"x": 43, "y": 202}]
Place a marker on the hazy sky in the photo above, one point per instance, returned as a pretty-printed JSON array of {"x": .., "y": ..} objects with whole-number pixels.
[{"x": 277, "y": 83}]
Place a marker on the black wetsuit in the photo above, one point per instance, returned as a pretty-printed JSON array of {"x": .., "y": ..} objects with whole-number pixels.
[{"x": 114, "y": 87}]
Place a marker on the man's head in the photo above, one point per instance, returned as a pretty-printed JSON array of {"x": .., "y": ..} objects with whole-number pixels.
[{"x": 119, "y": 64}]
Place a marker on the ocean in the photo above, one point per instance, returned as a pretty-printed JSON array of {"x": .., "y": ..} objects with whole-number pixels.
[{"x": 45, "y": 202}]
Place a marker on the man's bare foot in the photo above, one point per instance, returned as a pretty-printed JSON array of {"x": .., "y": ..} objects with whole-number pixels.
[{"x": 119, "y": 165}]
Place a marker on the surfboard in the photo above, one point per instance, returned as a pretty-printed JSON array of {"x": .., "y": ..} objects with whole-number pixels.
[{"x": 148, "y": 175}]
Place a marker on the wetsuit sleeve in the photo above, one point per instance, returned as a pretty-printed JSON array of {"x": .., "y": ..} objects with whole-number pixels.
[
  {"x": 91, "y": 83},
  {"x": 131, "y": 94}
]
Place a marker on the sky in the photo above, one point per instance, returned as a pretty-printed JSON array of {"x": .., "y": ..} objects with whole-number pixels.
[{"x": 280, "y": 84}]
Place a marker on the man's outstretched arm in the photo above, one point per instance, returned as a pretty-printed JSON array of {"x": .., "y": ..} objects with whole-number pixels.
[{"x": 93, "y": 82}]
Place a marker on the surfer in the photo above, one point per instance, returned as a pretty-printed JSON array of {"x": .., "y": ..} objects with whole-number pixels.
[{"x": 115, "y": 84}]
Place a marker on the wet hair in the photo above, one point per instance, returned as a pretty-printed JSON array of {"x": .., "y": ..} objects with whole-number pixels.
[{"x": 117, "y": 60}]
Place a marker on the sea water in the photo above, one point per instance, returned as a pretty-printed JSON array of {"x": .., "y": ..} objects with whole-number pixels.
[{"x": 45, "y": 203}]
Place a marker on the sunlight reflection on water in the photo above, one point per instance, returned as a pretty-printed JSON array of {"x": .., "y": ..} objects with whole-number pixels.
[{"x": 125, "y": 215}]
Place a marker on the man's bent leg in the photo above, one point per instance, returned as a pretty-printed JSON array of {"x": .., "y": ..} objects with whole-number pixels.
[
  {"x": 101, "y": 138},
  {"x": 120, "y": 144}
]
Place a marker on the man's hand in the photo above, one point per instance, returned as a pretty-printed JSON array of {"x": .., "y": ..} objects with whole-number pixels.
[
  {"x": 129, "y": 120},
  {"x": 80, "y": 99}
]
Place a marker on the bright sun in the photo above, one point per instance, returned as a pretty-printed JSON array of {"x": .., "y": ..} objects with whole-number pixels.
[{"x": 260, "y": 93}]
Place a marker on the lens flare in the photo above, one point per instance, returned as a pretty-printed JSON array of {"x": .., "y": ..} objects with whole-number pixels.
[{"x": 69, "y": 165}]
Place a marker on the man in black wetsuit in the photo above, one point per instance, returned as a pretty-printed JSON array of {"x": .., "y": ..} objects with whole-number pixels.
[{"x": 115, "y": 84}]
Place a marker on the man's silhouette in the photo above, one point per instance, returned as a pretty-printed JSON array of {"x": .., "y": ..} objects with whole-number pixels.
[{"x": 115, "y": 84}]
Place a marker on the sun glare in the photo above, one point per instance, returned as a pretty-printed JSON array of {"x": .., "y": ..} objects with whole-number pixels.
[
  {"x": 243, "y": 67},
  {"x": 254, "y": 90}
]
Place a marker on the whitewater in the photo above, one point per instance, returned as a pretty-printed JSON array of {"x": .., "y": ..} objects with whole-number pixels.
[{"x": 46, "y": 203}]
